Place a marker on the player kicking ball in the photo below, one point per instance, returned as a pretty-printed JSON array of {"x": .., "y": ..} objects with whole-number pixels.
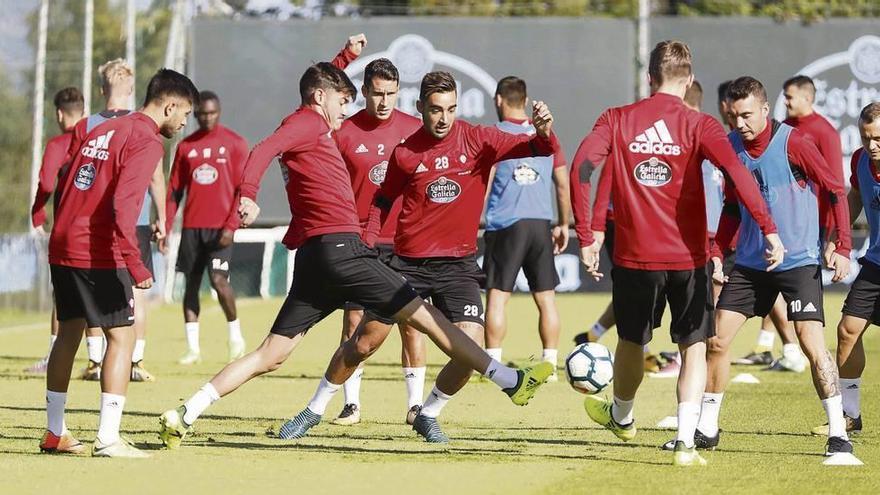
[{"x": 94, "y": 257}]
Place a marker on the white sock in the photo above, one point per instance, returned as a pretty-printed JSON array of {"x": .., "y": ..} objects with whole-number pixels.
[
  {"x": 494, "y": 353},
  {"x": 192, "y": 336},
  {"x": 55, "y": 402},
  {"x": 503, "y": 376},
  {"x": 709, "y": 412},
  {"x": 52, "y": 339},
  {"x": 849, "y": 390},
  {"x": 834, "y": 409},
  {"x": 688, "y": 416},
  {"x": 200, "y": 401},
  {"x": 352, "y": 388},
  {"x": 598, "y": 330},
  {"x": 792, "y": 352},
  {"x": 235, "y": 331},
  {"x": 111, "y": 416},
  {"x": 95, "y": 347},
  {"x": 766, "y": 339},
  {"x": 622, "y": 411},
  {"x": 551, "y": 356},
  {"x": 322, "y": 396},
  {"x": 435, "y": 403},
  {"x": 415, "y": 385},
  {"x": 138, "y": 354}
]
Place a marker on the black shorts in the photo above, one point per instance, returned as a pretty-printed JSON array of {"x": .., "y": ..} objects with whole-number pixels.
[
  {"x": 332, "y": 269},
  {"x": 386, "y": 251},
  {"x": 863, "y": 300},
  {"x": 526, "y": 244},
  {"x": 145, "y": 237},
  {"x": 728, "y": 263},
  {"x": 753, "y": 292},
  {"x": 640, "y": 296},
  {"x": 199, "y": 249},
  {"x": 102, "y": 296},
  {"x": 453, "y": 284}
]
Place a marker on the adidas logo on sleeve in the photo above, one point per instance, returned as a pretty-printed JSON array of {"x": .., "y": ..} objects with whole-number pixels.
[{"x": 655, "y": 140}]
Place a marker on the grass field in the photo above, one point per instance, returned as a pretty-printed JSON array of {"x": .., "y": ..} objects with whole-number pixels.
[{"x": 548, "y": 447}]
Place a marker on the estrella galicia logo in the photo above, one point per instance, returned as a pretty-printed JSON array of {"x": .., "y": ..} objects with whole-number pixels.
[
  {"x": 653, "y": 172},
  {"x": 377, "y": 173},
  {"x": 85, "y": 177},
  {"x": 443, "y": 190},
  {"x": 525, "y": 175},
  {"x": 205, "y": 175}
]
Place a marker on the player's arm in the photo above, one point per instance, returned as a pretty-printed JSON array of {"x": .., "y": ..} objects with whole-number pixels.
[
  {"x": 496, "y": 145},
  {"x": 854, "y": 198},
  {"x": 238, "y": 156},
  {"x": 157, "y": 192},
  {"x": 593, "y": 150},
  {"x": 830, "y": 148},
  {"x": 396, "y": 179},
  {"x": 563, "y": 202},
  {"x": 133, "y": 179},
  {"x": 53, "y": 158},
  {"x": 177, "y": 185},
  {"x": 728, "y": 224},
  {"x": 353, "y": 48}
]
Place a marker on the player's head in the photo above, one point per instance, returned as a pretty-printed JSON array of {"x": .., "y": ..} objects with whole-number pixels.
[
  {"x": 869, "y": 128},
  {"x": 328, "y": 90},
  {"x": 670, "y": 65},
  {"x": 510, "y": 96},
  {"x": 117, "y": 78},
  {"x": 208, "y": 110},
  {"x": 381, "y": 88},
  {"x": 693, "y": 97},
  {"x": 438, "y": 101},
  {"x": 800, "y": 93},
  {"x": 170, "y": 99},
  {"x": 69, "y": 107},
  {"x": 748, "y": 106},
  {"x": 724, "y": 105}
]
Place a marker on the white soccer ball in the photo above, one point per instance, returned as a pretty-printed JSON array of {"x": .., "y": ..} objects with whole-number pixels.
[{"x": 590, "y": 368}]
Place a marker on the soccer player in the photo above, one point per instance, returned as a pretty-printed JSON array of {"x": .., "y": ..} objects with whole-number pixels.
[
  {"x": 791, "y": 173},
  {"x": 518, "y": 231},
  {"x": 333, "y": 266},
  {"x": 654, "y": 150},
  {"x": 68, "y": 111},
  {"x": 207, "y": 169},
  {"x": 861, "y": 308},
  {"x": 365, "y": 142},
  {"x": 94, "y": 258}
]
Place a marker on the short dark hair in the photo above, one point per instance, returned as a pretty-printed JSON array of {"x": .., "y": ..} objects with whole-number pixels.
[
  {"x": 167, "y": 82},
  {"x": 436, "y": 82},
  {"x": 870, "y": 113},
  {"x": 745, "y": 86},
  {"x": 325, "y": 76},
  {"x": 694, "y": 95},
  {"x": 722, "y": 90},
  {"x": 512, "y": 90},
  {"x": 801, "y": 82},
  {"x": 70, "y": 101},
  {"x": 381, "y": 68},
  {"x": 208, "y": 95},
  {"x": 670, "y": 59}
]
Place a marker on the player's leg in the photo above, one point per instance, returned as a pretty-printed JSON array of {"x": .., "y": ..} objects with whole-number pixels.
[
  {"x": 506, "y": 250},
  {"x": 41, "y": 366},
  {"x": 138, "y": 372},
  {"x": 191, "y": 261},
  {"x": 606, "y": 320},
  {"x": 351, "y": 389},
  {"x": 218, "y": 272},
  {"x": 791, "y": 359},
  {"x": 548, "y": 327},
  {"x": 115, "y": 376},
  {"x": 95, "y": 347},
  {"x": 413, "y": 358},
  {"x": 539, "y": 267},
  {"x": 496, "y": 321},
  {"x": 57, "y": 439}
]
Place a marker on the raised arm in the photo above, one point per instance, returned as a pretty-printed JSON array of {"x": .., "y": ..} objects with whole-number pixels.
[{"x": 353, "y": 48}]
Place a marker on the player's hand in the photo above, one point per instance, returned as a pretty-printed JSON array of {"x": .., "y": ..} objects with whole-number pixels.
[
  {"x": 830, "y": 247},
  {"x": 356, "y": 43},
  {"x": 590, "y": 256},
  {"x": 560, "y": 238},
  {"x": 158, "y": 230},
  {"x": 840, "y": 265},
  {"x": 542, "y": 119},
  {"x": 146, "y": 284},
  {"x": 718, "y": 277},
  {"x": 248, "y": 211},
  {"x": 40, "y": 231},
  {"x": 226, "y": 238},
  {"x": 774, "y": 252},
  {"x": 162, "y": 246}
]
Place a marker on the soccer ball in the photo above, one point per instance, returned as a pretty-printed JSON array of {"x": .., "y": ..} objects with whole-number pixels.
[{"x": 590, "y": 368}]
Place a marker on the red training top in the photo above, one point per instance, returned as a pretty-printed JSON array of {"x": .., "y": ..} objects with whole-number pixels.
[{"x": 54, "y": 157}]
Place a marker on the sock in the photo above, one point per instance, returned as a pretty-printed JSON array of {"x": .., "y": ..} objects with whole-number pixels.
[
  {"x": 622, "y": 411},
  {"x": 322, "y": 396},
  {"x": 415, "y": 385},
  {"x": 138, "y": 354},
  {"x": 200, "y": 401},
  {"x": 688, "y": 416},
  {"x": 192, "y": 336},
  {"x": 849, "y": 390},
  {"x": 52, "y": 339},
  {"x": 645, "y": 349},
  {"x": 765, "y": 341},
  {"x": 352, "y": 388},
  {"x": 503, "y": 376},
  {"x": 435, "y": 403},
  {"x": 494, "y": 353},
  {"x": 792, "y": 352},
  {"x": 834, "y": 409},
  {"x": 55, "y": 402},
  {"x": 235, "y": 331},
  {"x": 111, "y": 417},
  {"x": 95, "y": 347},
  {"x": 709, "y": 412},
  {"x": 550, "y": 356},
  {"x": 597, "y": 330}
]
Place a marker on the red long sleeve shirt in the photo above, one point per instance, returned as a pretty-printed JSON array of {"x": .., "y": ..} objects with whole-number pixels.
[
  {"x": 653, "y": 152},
  {"x": 443, "y": 183},
  {"x": 366, "y": 143},
  {"x": 54, "y": 157},
  {"x": 102, "y": 194},
  {"x": 207, "y": 168},
  {"x": 827, "y": 140},
  {"x": 802, "y": 155}
]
